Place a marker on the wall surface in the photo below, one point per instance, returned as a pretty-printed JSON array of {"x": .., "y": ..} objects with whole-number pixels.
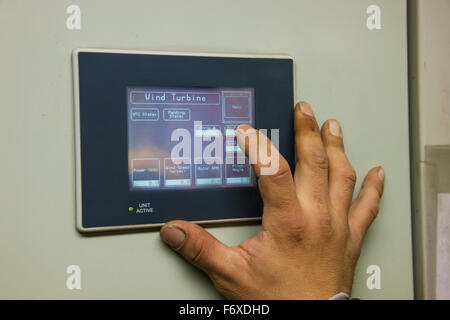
[
  {"x": 345, "y": 70},
  {"x": 429, "y": 75}
]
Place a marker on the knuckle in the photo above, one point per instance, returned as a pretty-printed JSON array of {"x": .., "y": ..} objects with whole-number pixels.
[
  {"x": 296, "y": 231},
  {"x": 325, "y": 223},
  {"x": 283, "y": 172},
  {"x": 318, "y": 159},
  {"x": 348, "y": 174},
  {"x": 342, "y": 230},
  {"x": 330, "y": 227},
  {"x": 281, "y": 203},
  {"x": 197, "y": 254},
  {"x": 373, "y": 210}
]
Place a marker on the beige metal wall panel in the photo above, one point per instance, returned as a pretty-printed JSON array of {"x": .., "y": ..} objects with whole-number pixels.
[{"x": 345, "y": 70}]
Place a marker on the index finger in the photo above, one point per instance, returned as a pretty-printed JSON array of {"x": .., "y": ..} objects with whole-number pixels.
[{"x": 275, "y": 181}]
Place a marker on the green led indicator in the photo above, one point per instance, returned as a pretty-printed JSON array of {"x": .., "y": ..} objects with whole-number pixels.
[{"x": 130, "y": 209}]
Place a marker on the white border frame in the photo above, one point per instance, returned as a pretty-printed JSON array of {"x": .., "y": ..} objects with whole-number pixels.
[{"x": 76, "y": 100}]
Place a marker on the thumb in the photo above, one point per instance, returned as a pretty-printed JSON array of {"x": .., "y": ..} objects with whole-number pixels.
[{"x": 197, "y": 246}]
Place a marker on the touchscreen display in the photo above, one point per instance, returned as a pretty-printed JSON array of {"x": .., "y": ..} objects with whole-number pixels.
[{"x": 184, "y": 138}]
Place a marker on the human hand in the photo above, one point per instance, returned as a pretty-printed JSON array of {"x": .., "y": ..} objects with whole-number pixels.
[{"x": 311, "y": 233}]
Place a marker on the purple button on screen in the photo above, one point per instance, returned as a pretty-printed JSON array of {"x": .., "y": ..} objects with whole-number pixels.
[{"x": 184, "y": 138}]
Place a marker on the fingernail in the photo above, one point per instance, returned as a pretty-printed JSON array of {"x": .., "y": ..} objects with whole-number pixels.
[
  {"x": 239, "y": 131},
  {"x": 173, "y": 236},
  {"x": 306, "y": 108},
  {"x": 335, "y": 128},
  {"x": 243, "y": 128},
  {"x": 381, "y": 174}
]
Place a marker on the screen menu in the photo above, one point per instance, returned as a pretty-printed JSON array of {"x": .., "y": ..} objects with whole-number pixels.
[{"x": 184, "y": 138}]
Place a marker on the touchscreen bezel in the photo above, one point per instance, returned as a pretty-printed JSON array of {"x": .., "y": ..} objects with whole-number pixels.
[{"x": 103, "y": 199}]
